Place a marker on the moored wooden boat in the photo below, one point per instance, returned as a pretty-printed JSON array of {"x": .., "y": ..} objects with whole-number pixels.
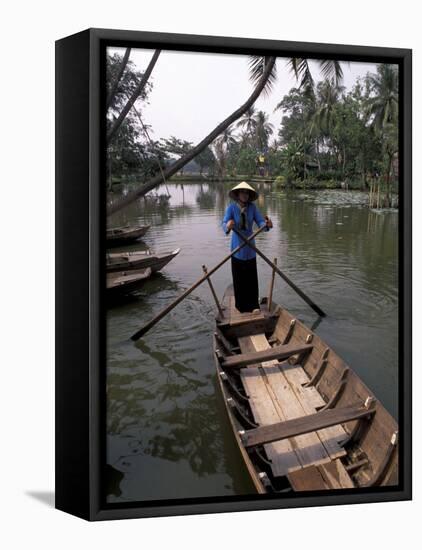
[
  {"x": 125, "y": 235},
  {"x": 303, "y": 420},
  {"x": 121, "y": 283},
  {"x": 139, "y": 259}
]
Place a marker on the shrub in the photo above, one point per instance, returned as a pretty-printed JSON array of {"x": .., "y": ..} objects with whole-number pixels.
[{"x": 280, "y": 181}]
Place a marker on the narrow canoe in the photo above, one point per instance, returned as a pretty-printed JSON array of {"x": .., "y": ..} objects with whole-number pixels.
[
  {"x": 121, "y": 283},
  {"x": 139, "y": 259},
  {"x": 302, "y": 418},
  {"x": 125, "y": 235}
]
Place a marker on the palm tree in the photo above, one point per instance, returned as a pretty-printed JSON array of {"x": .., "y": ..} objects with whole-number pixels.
[
  {"x": 323, "y": 120},
  {"x": 312, "y": 128},
  {"x": 390, "y": 146},
  {"x": 328, "y": 95},
  {"x": 384, "y": 104},
  {"x": 330, "y": 69},
  {"x": 221, "y": 148},
  {"x": 303, "y": 102},
  {"x": 248, "y": 122},
  {"x": 293, "y": 156},
  {"x": 263, "y": 75},
  {"x": 263, "y": 130},
  {"x": 383, "y": 110}
]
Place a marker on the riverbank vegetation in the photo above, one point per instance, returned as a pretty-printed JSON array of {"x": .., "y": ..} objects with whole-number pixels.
[{"x": 327, "y": 138}]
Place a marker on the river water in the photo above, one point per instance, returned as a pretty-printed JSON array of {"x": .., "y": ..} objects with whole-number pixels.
[{"x": 167, "y": 431}]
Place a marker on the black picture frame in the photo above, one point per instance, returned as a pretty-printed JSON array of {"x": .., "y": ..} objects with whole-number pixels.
[{"x": 80, "y": 318}]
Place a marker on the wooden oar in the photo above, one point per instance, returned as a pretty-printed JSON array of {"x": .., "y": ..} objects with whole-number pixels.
[
  {"x": 270, "y": 293},
  {"x": 288, "y": 281},
  {"x": 166, "y": 310}
]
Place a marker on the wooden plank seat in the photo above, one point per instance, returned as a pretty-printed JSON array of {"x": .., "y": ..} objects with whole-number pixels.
[
  {"x": 239, "y": 319},
  {"x": 235, "y": 324},
  {"x": 282, "y": 454},
  {"x": 304, "y": 424},
  {"x": 245, "y": 317},
  {"x": 260, "y": 325},
  {"x": 272, "y": 399},
  {"x": 287, "y": 381},
  {"x": 276, "y": 392},
  {"x": 271, "y": 354}
]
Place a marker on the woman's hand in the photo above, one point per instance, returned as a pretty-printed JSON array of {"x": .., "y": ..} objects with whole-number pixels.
[
  {"x": 268, "y": 222},
  {"x": 230, "y": 225}
]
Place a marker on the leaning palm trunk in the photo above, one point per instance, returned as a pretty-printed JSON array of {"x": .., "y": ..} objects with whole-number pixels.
[{"x": 178, "y": 165}]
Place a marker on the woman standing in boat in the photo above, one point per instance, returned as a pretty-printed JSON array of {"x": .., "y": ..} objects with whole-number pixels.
[{"x": 241, "y": 214}]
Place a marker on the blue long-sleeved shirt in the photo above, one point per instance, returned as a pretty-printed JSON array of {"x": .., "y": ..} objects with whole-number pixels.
[{"x": 252, "y": 215}]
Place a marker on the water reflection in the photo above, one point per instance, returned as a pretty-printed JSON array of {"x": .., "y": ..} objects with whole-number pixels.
[{"x": 205, "y": 197}]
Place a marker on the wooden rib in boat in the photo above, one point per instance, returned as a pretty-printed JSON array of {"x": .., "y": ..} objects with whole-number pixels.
[
  {"x": 302, "y": 418},
  {"x": 139, "y": 259},
  {"x": 119, "y": 236},
  {"x": 121, "y": 283}
]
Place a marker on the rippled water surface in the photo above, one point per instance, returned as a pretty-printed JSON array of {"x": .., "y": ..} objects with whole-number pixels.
[{"x": 167, "y": 433}]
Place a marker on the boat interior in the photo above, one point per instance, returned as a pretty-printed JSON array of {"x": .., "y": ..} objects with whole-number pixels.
[{"x": 303, "y": 419}]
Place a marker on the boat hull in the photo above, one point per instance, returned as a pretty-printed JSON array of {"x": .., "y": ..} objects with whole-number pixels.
[
  {"x": 139, "y": 260},
  {"x": 122, "y": 283},
  {"x": 237, "y": 427},
  {"x": 262, "y": 387},
  {"x": 125, "y": 235}
]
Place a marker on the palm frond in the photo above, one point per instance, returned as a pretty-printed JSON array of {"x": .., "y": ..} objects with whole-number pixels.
[
  {"x": 300, "y": 67},
  {"x": 292, "y": 63},
  {"x": 278, "y": 106},
  {"x": 257, "y": 66},
  {"x": 331, "y": 68}
]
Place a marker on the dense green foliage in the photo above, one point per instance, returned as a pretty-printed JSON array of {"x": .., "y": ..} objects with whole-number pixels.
[
  {"x": 327, "y": 137},
  {"x": 350, "y": 137}
]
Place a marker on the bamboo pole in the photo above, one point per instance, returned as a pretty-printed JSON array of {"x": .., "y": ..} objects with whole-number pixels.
[
  {"x": 220, "y": 311},
  {"x": 166, "y": 310},
  {"x": 270, "y": 293},
  {"x": 288, "y": 281}
]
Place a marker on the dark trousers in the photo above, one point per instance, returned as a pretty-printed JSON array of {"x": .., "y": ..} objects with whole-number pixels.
[{"x": 245, "y": 284}]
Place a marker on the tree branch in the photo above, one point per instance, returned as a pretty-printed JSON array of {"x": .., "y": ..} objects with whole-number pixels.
[
  {"x": 117, "y": 79},
  {"x": 134, "y": 97}
]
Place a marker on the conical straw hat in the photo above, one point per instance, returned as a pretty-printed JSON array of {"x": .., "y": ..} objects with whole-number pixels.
[{"x": 253, "y": 195}]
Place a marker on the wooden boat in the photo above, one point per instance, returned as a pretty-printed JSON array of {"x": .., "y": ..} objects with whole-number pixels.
[
  {"x": 139, "y": 259},
  {"x": 125, "y": 235},
  {"x": 303, "y": 420},
  {"x": 120, "y": 283}
]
